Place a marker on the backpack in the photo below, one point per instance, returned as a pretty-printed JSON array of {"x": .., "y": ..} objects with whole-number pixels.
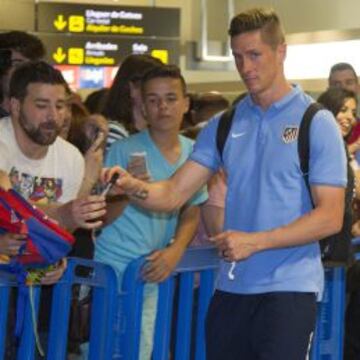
[
  {"x": 46, "y": 241},
  {"x": 45, "y": 244},
  {"x": 336, "y": 248}
]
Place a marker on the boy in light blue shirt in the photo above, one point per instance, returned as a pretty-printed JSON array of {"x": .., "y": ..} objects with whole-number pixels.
[{"x": 137, "y": 232}]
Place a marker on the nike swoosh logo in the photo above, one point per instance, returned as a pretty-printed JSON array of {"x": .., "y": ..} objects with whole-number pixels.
[{"x": 236, "y": 135}]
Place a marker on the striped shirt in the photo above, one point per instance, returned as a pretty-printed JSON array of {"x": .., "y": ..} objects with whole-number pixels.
[{"x": 117, "y": 131}]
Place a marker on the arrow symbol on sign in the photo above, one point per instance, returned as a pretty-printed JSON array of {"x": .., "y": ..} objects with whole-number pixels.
[
  {"x": 60, "y": 23},
  {"x": 59, "y": 56}
]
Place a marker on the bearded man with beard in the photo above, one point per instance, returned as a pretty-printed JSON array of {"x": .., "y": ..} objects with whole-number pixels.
[
  {"x": 31, "y": 150},
  {"x": 43, "y": 167}
]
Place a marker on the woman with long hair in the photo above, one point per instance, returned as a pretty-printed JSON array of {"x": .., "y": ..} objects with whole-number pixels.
[{"x": 123, "y": 105}]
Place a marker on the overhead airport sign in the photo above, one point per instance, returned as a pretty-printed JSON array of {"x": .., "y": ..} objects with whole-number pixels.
[
  {"x": 108, "y": 20},
  {"x": 68, "y": 49}
]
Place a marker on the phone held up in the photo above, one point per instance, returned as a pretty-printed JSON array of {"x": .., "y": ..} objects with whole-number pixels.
[
  {"x": 109, "y": 184},
  {"x": 137, "y": 163},
  {"x": 91, "y": 134}
]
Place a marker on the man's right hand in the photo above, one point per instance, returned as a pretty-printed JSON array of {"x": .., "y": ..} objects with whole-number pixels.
[{"x": 126, "y": 184}]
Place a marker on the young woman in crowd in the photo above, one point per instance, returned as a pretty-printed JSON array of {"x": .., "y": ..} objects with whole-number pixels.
[
  {"x": 342, "y": 103},
  {"x": 123, "y": 105}
]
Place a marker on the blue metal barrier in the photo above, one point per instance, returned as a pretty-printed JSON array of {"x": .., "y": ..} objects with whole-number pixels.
[
  {"x": 329, "y": 332},
  {"x": 328, "y": 337},
  {"x": 191, "y": 286},
  {"x": 103, "y": 282},
  {"x": 203, "y": 261}
]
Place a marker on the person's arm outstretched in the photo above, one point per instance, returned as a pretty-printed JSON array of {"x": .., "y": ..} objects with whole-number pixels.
[{"x": 166, "y": 195}]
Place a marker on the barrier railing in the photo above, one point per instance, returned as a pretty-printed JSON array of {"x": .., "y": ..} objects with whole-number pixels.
[
  {"x": 328, "y": 337},
  {"x": 329, "y": 331},
  {"x": 203, "y": 261},
  {"x": 186, "y": 293},
  {"x": 103, "y": 283},
  {"x": 328, "y": 341}
]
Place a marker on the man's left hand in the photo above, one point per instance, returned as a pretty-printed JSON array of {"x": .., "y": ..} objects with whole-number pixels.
[
  {"x": 160, "y": 264},
  {"x": 85, "y": 213},
  {"x": 235, "y": 245},
  {"x": 53, "y": 276}
]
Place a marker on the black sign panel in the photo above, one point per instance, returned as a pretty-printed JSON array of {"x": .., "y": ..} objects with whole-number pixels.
[
  {"x": 67, "y": 49},
  {"x": 108, "y": 20}
]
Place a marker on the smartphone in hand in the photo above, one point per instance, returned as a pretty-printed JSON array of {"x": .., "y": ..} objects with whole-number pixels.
[
  {"x": 96, "y": 135},
  {"x": 137, "y": 163},
  {"x": 93, "y": 134},
  {"x": 109, "y": 184}
]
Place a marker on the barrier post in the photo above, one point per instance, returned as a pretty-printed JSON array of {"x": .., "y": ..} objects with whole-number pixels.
[
  {"x": 329, "y": 331},
  {"x": 163, "y": 319},
  {"x": 27, "y": 341},
  {"x": 184, "y": 318},
  {"x": 207, "y": 280},
  {"x": 103, "y": 311},
  {"x": 132, "y": 300},
  {"x": 59, "y": 319},
  {"x": 4, "y": 306}
]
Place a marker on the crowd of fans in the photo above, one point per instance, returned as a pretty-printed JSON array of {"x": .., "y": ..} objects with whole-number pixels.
[{"x": 54, "y": 145}]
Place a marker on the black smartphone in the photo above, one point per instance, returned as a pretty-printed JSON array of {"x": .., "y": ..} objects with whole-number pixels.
[
  {"x": 91, "y": 132},
  {"x": 110, "y": 183},
  {"x": 97, "y": 133}
]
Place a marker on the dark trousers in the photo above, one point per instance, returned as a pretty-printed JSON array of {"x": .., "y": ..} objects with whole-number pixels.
[{"x": 270, "y": 326}]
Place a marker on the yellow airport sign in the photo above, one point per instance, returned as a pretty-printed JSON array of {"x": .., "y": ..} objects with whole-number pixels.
[
  {"x": 76, "y": 56},
  {"x": 98, "y": 18},
  {"x": 162, "y": 55},
  {"x": 76, "y": 23},
  {"x": 60, "y": 23},
  {"x": 81, "y": 49},
  {"x": 59, "y": 56}
]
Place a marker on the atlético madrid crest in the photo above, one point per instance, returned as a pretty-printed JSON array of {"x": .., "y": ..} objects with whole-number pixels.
[{"x": 290, "y": 133}]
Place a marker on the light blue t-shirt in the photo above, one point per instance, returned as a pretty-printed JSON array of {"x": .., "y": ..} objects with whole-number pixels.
[
  {"x": 137, "y": 232},
  {"x": 266, "y": 188}
]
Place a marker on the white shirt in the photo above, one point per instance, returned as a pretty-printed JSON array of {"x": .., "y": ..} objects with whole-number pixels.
[{"x": 55, "y": 178}]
